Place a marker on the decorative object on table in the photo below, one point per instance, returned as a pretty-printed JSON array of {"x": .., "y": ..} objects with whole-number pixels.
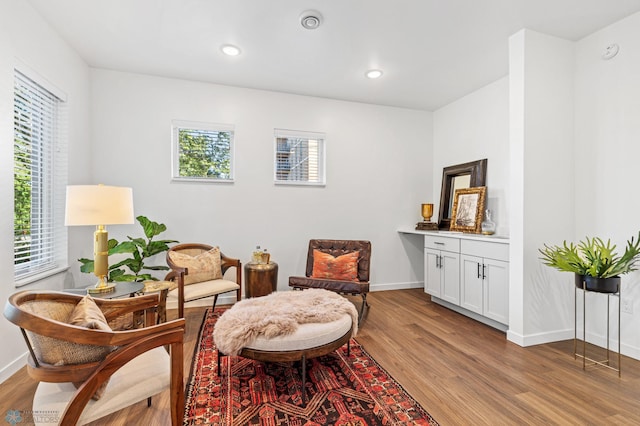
[
  {"x": 488, "y": 226},
  {"x": 364, "y": 389},
  {"x": 426, "y": 225},
  {"x": 99, "y": 205},
  {"x": 140, "y": 249},
  {"x": 459, "y": 176},
  {"x": 596, "y": 264},
  {"x": 260, "y": 257},
  {"x": 468, "y": 205}
]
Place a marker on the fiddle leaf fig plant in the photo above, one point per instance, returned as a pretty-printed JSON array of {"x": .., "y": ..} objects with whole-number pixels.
[
  {"x": 592, "y": 257},
  {"x": 140, "y": 249}
]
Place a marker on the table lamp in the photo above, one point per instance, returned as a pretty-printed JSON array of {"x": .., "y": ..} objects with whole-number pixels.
[{"x": 99, "y": 205}]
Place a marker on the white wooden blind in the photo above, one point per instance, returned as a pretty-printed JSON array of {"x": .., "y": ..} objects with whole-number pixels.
[
  {"x": 40, "y": 173},
  {"x": 299, "y": 157}
]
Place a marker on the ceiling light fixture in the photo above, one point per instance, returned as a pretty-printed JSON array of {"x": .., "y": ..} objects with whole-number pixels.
[
  {"x": 310, "y": 19},
  {"x": 230, "y": 50},
  {"x": 373, "y": 74}
]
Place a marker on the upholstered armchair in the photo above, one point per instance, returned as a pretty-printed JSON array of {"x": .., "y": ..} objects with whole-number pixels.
[
  {"x": 88, "y": 370},
  {"x": 197, "y": 271},
  {"x": 341, "y": 266}
]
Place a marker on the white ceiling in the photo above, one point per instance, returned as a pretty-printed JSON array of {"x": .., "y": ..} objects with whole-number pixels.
[{"x": 431, "y": 51}]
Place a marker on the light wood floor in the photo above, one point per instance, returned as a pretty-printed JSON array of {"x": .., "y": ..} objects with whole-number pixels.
[{"x": 462, "y": 372}]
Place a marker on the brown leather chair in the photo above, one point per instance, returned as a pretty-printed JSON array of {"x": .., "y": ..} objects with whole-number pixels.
[
  {"x": 338, "y": 248},
  {"x": 192, "y": 283},
  {"x": 127, "y": 366}
]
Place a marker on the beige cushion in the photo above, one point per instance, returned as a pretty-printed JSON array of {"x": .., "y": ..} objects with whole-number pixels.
[
  {"x": 87, "y": 314},
  {"x": 204, "y": 289},
  {"x": 203, "y": 267},
  {"x": 146, "y": 375},
  {"x": 307, "y": 336}
]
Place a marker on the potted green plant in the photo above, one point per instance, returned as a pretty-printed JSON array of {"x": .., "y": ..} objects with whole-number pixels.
[
  {"x": 140, "y": 249},
  {"x": 596, "y": 264}
]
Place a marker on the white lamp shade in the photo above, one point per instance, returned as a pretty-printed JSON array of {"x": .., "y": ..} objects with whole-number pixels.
[{"x": 98, "y": 205}]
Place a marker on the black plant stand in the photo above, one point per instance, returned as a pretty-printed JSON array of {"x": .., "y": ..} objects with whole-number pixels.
[{"x": 605, "y": 362}]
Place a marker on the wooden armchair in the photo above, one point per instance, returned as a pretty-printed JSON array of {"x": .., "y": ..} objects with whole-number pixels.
[
  {"x": 133, "y": 365},
  {"x": 356, "y": 284},
  {"x": 198, "y": 272}
]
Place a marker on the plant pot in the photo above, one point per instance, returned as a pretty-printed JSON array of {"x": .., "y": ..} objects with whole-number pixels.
[{"x": 600, "y": 285}]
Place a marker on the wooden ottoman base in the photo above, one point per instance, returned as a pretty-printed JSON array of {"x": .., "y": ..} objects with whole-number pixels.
[{"x": 300, "y": 353}]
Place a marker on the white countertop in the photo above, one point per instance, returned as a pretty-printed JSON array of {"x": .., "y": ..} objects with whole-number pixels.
[{"x": 453, "y": 234}]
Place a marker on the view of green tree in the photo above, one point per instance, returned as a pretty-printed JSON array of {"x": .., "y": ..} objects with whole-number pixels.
[
  {"x": 22, "y": 194},
  {"x": 205, "y": 153}
]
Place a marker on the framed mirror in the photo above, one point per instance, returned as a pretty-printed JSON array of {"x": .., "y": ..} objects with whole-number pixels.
[{"x": 460, "y": 176}]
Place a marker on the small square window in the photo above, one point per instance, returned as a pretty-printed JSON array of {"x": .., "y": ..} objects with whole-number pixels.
[
  {"x": 299, "y": 158},
  {"x": 202, "y": 151}
]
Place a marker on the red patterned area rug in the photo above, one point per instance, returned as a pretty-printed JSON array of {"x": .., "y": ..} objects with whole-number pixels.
[{"x": 342, "y": 390}]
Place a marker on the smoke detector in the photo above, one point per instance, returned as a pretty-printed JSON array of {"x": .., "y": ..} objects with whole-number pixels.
[{"x": 310, "y": 19}]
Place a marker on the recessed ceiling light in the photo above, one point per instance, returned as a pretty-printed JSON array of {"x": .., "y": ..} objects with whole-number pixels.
[
  {"x": 373, "y": 74},
  {"x": 230, "y": 50},
  {"x": 310, "y": 19}
]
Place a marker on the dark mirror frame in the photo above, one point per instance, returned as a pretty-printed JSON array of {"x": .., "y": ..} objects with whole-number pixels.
[{"x": 478, "y": 172}]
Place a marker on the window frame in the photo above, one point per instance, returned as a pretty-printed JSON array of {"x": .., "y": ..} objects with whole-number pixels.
[
  {"x": 322, "y": 156},
  {"x": 51, "y": 236},
  {"x": 176, "y": 126}
]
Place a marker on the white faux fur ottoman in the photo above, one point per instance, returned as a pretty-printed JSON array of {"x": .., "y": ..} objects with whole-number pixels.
[{"x": 286, "y": 326}]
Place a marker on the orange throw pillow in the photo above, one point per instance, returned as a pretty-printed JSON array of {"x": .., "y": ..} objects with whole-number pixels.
[{"x": 344, "y": 268}]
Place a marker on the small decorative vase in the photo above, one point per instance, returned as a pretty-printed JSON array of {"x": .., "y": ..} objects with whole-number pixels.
[
  {"x": 488, "y": 226},
  {"x": 600, "y": 285}
]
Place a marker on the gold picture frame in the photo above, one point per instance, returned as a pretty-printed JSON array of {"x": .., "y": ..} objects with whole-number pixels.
[{"x": 468, "y": 206}]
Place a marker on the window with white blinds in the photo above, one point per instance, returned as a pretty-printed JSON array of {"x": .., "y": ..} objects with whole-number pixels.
[
  {"x": 202, "y": 151},
  {"x": 40, "y": 177},
  {"x": 299, "y": 157}
]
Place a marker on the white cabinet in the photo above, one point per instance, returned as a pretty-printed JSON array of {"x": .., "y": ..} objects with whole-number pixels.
[
  {"x": 468, "y": 273},
  {"x": 484, "y": 279},
  {"x": 442, "y": 274}
]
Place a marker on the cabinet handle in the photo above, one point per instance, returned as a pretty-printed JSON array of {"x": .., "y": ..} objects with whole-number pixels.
[
  {"x": 484, "y": 277},
  {"x": 438, "y": 243},
  {"x": 478, "y": 270},
  {"x": 437, "y": 261}
]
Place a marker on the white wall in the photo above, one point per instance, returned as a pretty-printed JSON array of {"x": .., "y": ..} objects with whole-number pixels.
[
  {"x": 26, "y": 39},
  {"x": 541, "y": 114},
  {"x": 607, "y": 149},
  {"x": 472, "y": 128},
  {"x": 378, "y": 171}
]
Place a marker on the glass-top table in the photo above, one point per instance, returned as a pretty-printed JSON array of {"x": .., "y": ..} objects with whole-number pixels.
[{"x": 122, "y": 289}]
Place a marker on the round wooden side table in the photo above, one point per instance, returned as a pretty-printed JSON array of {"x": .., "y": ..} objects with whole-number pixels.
[{"x": 260, "y": 279}]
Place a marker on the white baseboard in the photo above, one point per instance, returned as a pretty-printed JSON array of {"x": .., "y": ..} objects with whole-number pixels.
[
  {"x": 396, "y": 286},
  {"x": 13, "y": 367},
  {"x": 231, "y": 299}
]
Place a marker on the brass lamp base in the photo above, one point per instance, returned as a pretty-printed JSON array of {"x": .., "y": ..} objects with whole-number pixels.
[
  {"x": 101, "y": 290},
  {"x": 102, "y": 287}
]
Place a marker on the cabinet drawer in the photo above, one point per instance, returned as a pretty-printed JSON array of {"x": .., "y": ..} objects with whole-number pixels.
[
  {"x": 442, "y": 243},
  {"x": 485, "y": 249}
]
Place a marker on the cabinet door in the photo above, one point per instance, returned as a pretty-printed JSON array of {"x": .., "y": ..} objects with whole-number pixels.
[
  {"x": 471, "y": 296},
  {"x": 496, "y": 290},
  {"x": 450, "y": 275},
  {"x": 432, "y": 274}
]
